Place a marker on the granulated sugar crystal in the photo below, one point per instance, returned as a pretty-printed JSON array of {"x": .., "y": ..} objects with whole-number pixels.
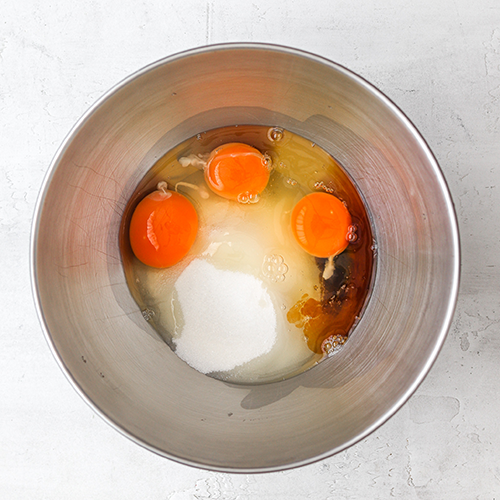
[{"x": 229, "y": 318}]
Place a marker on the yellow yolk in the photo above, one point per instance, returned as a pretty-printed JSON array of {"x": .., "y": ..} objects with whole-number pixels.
[
  {"x": 320, "y": 224},
  {"x": 163, "y": 228},
  {"x": 238, "y": 172}
]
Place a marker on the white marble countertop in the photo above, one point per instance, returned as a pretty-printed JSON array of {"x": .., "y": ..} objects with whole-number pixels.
[{"x": 438, "y": 60}]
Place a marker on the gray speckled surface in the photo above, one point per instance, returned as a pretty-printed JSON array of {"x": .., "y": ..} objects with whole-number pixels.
[{"x": 439, "y": 61}]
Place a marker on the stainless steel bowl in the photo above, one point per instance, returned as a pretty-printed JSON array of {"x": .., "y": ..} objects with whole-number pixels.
[{"x": 132, "y": 378}]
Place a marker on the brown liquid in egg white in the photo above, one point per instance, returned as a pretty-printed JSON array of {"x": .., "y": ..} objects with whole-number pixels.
[{"x": 337, "y": 311}]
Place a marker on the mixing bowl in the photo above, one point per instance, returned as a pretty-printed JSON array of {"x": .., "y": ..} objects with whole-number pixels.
[{"x": 128, "y": 375}]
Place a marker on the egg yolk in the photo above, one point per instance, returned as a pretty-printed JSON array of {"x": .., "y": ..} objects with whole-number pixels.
[
  {"x": 237, "y": 171},
  {"x": 320, "y": 224},
  {"x": 163, "y": 228}
]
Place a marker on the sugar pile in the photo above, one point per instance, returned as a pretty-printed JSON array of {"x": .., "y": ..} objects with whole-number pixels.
[{"x": 229, "y": 318}]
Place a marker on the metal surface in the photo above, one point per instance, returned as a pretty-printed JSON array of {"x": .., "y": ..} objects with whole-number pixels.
[{"x": 129, "y": 376}]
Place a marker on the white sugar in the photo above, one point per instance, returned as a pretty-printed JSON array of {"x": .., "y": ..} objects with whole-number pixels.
[{"x": 229, "y": 318}]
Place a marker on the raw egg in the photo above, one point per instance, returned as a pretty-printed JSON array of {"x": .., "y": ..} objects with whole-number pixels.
[
  {"x": 245, "y": 282},
  {"x": 321, "y": 224},
  {"x": 163, "y": 228},
  {"x": 237, "y": 171}
]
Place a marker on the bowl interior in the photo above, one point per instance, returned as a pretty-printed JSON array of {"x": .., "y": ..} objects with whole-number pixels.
[{"x": 129, "y": 375}]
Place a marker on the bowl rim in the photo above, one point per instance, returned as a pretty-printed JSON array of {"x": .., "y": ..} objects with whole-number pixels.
[{"x": 379, "y": 95}]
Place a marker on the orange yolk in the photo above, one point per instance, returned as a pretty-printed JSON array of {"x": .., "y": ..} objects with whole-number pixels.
[
  {"x": 320, "y": 223},
  {"x": 163, "y": 228},
  {"x": 237, "y": 171}
]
